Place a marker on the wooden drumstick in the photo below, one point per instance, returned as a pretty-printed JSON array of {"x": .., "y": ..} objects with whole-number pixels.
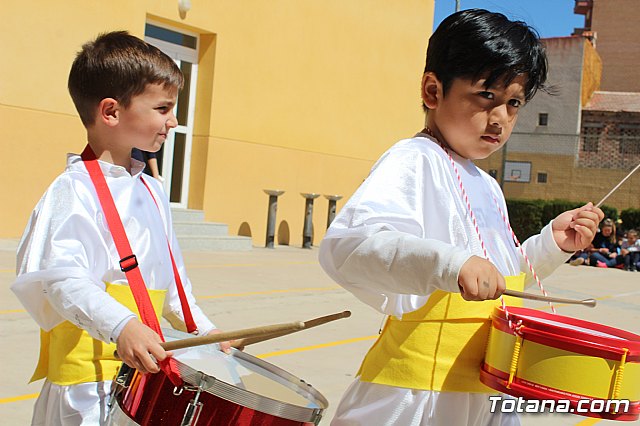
[
  {"x": 586, "y": 302},
  {"x": 618, "y": 185},
  {"x": 307, "y": 324},
  {"x": 231, "y": 335}
]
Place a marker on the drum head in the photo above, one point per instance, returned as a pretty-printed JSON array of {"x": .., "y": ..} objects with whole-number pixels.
[{"x": 246, "y": 380}]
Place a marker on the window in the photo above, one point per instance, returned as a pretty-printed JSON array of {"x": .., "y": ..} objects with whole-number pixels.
[
  {"x": 543, "y": 119},
  {"x": 542, "y": 177},
  {"x": 590, "y": 136},
  {"x": 174, "y": 158},
  {"x": 629, "y": 137}
]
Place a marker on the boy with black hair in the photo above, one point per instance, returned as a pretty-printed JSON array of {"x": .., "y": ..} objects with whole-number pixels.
[
  {"x": 427, "y": 233},
  {"x": 72, "y": 278}
]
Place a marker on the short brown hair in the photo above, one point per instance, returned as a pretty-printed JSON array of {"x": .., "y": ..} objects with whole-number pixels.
[{"x": 120, "y": 66}]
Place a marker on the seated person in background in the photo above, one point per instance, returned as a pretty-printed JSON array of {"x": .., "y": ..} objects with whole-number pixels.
[
  {"x": 604, "y": 250},
  {"x": 579, "y": 258},
  {"x": 630, "y": 251}
]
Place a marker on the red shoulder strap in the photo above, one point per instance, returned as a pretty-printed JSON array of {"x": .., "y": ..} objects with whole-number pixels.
[
  {"x": 186, "y": 310},
  {"x": 128, "y": 261}
]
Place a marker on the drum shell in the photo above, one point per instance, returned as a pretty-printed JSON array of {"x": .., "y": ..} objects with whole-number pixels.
[
  {"x": 237, "y": 389},
  {"x": 558, "y": 362},
  {"x": 157, "y": 405}
]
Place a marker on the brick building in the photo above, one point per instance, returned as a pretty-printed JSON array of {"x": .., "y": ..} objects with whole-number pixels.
[
  {"x": 580, "y": 141},
  {"x": 613, "y": 25},
  {"x": 610, "y": 135}
]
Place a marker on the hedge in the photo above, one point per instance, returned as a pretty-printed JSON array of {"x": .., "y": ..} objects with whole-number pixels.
[
  {"x": 528, "y": 217},
  {"x": 630, "y": 219}
]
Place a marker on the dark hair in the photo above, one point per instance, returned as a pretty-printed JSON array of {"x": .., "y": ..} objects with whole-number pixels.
[
  {"x": 476, "y": 43},
  {"x": 120, "y": 66}
]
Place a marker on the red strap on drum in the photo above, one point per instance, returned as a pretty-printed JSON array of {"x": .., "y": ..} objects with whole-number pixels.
[
  {"x": 128, "y": 262},
  {"x": 186, "y": 310}
]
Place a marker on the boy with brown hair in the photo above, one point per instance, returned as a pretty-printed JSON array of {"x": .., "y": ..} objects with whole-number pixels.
[{"x": 72, "y": 276}]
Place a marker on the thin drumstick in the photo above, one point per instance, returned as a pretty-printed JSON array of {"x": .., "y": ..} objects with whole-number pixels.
[
  {"x": 618, "y": 185},
  {"x": 230, "y": 335},
  {"x": 586, "y": 302},
  {"x": 307, "y": 324}
]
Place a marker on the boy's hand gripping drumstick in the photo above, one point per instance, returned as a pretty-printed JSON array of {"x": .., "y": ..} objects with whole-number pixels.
[{"x": 230, "y": 335}]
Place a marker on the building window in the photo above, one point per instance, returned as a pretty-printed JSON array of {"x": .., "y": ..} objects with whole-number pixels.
[
  {"x": 629, "y": 135},
  {"x": 542, "y": 177},
  {"x": 543, "y": 119},
  {"x": 590, "y": 136}
]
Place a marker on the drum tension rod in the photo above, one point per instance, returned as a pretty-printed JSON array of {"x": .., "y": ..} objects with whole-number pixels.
[
  {"x": 515, "y": 357},
  {"x": 192, "y": 413}
]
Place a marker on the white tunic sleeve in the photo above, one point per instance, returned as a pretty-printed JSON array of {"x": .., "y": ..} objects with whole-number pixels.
[
  {"x": 377, "y": 246},
  {"x": 61, "y": 248}
]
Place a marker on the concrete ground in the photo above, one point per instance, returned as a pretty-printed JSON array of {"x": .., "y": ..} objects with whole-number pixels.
[{"x": 247, "y": 289}]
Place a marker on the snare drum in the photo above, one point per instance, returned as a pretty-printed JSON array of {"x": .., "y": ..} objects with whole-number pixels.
[
  {"x": 553, "y": 357},
  {"x": 218, "y": 389}
]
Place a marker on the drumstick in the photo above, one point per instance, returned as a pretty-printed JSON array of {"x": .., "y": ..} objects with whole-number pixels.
[
  {"x": 586, "y": 302},
  {"x": 618, "y": 185},
  {"x": 307, "y": 324},
  {"x": 230, "y": 335},
  {"x": 233, "y": 335}
]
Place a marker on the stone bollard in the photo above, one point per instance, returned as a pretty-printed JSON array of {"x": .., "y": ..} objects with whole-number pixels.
[
  {"x": 331, "y": 213},
  {"x": 271, "y": 215},
  {"x": 307, "y": 230}
]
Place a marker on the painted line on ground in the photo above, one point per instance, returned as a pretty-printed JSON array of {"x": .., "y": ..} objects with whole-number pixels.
[
  {"x": 19, "y": 398},
  {"x": 313, "y": 347},
  {"x": 248, "y": 265},
  {"x": 588, "y": 421},
  {"x": 259, "y": 293},
  {"x": 265, "y": 355},
  {"x": 221, "y": 296}
]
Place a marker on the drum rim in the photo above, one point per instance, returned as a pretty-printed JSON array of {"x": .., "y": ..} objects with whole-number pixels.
[
  {"x": 529, "y": 316},
  {"x": 254, "y": 401}
]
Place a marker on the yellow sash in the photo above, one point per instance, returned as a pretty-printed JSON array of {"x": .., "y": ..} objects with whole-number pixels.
[
  {"x": 439, "y": 347},
  {"x": 69, "y": 355}
]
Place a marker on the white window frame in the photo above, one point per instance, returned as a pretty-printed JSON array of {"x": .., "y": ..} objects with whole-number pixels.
[{"x": 179, "y": 53}]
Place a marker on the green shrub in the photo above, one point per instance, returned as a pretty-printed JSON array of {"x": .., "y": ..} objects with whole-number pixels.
[
  {"x": 525, "y": 217},
  {"x": 610, "y": 212},
  {"x": 551, "y": 209},
  {"x": 630, "y": 219}
]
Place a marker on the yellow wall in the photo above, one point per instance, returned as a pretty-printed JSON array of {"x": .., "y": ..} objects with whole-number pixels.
[
  {"x": 300, "y": 96},
  {"x": 591, "y": 72},
  {"x": 306, "y": 100}
]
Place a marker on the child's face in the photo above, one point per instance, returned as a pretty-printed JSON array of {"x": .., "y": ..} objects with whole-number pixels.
[
  {"x": 473, "y": 120},
  {"x": 632, "y": 238},
  {"x": 607, "y": 230},
  {"x": 146, "y": 122}
]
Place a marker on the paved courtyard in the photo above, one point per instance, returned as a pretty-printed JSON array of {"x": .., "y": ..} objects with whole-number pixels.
[{"x": 247, "y": 289}]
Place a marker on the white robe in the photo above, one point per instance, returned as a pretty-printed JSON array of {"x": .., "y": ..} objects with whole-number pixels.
[
  {"x": 405, "y": 233},
  {"x": 67, "y": 254}
]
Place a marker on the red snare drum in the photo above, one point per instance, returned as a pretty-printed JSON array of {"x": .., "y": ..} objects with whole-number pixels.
[
  {"x": 554, "y": 357},
  {"x": 219, "y": 389}
]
